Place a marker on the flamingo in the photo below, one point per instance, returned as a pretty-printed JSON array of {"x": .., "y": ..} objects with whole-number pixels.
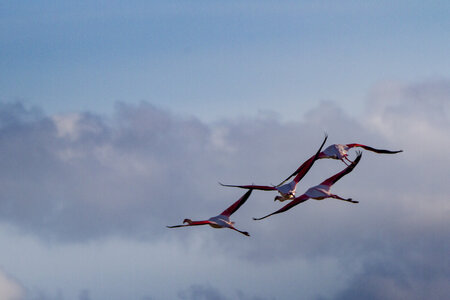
[
  {"x": 286, "y": 191},
  {"x": 340, "y": 151},
  {"x": 223, "y": 219},
  {"x": 321, "y": 191}
]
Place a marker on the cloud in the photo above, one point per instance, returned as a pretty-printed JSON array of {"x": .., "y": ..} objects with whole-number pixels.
[
  {"x": 37, "y": 294},
  {"x": 402, "y": 274},
  {"x": 10, "y": 289},
  {"x": 200, "y": 292},
  {"x": 208, "y": 292},
  {"x": 80, "y": 177},
  {"x": 76, "y": 177},
  {"x": 404, "y": 257}
]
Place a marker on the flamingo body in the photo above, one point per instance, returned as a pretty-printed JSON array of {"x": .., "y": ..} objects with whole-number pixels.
[
  {"x": 286, "y": 191},
  {"x": 319, "y": 192},
  {"x": 336, "y": 151},
  {"x": 220, "y": 221}
]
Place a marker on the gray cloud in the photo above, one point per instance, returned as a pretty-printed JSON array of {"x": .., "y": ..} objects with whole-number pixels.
[
  {"x": 79, "y": 177},
  {"x": 200, "y": 292},
  {"x": 37, "y": 294},
  {"x": 406, "y": 272},
  {"x": 75, "y": 177},
  {"x": 208, "y": 292},
  {"x": 84, "y": 295}
]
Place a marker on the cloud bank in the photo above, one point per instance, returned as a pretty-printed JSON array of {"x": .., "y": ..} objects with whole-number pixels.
[{"x": 82, "y": 177}]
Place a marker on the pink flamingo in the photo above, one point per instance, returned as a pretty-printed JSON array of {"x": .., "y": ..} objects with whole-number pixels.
[
  {"x": 286, "y": 191},
  {"x": 223, "y": 219},
  {"x": 321, "y": 191},
  {"x": 340, "y": 151}
]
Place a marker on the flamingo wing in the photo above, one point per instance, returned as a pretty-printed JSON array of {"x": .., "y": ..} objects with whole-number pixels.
[
  {"x": 373, "y": 149},
  {"x": 288, "y": 206},
  {"x": 193, "y": 223},
  {"x": 253, "y": 187},
  {"x": 306, "y": 166},
  {"x": 330, "y": 181},
  {"x": 235, "y": 206},
  {"x": 175, "y": 226}
]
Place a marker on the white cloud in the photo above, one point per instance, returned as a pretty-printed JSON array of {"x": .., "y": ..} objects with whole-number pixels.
[
  {"x": 415, "y": 115},
  {"x": 66, "y": 125},
  {"x": 10, "y": 289}
]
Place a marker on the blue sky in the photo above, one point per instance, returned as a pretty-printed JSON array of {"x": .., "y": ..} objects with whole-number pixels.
[
  {"x": 117, "y": 119},
  {"x": 212, "y": 59}
]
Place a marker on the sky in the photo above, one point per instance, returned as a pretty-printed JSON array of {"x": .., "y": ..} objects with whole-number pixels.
[{"x": 117, "y": 119}]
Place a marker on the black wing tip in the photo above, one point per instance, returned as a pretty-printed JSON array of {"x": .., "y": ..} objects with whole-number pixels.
[
  {"x": 246, "y": 195},
  {"x": 389, "y": 151},
  {"x": 257, "y": 219},
  {"x": 358, "y": 157},
  {"x": 237, "y": 186},
  {"x": 227, "y": 185}
]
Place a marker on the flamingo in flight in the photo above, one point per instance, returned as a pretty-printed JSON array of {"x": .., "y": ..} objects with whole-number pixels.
[
  {"x": 223, "y": 219},
  {"x": 340, "y": 151},
  {"x": 286, "y": 191},
  {"x": 321, "y": 191}
]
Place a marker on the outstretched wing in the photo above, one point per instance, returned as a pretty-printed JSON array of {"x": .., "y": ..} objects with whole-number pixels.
[
  {"x": 304, "y": 168},
  {"x": 235, "y": 206},
  {"x": 252, "y": 187},
  {"x": 373, "y": 149},
  {"x": 175, "y": 226},
  {"x": 330, "y": 181},
  {"x": 288, "y": 206},
  {"x": 194, "y": 223}
]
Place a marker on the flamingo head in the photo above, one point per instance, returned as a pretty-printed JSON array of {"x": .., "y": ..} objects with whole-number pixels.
[
  {"x": 285, "y": 196},
  {"x": 279, "y": 198},
  {"x": 189, "y": 221}
]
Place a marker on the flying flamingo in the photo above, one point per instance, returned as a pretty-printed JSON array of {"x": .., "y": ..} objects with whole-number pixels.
[
  {"x": 340, "y": 151},
  {"x": 286, "y": 191},
  {"x": 223, "y": 219},
  {"x": 321, "y": 191}
]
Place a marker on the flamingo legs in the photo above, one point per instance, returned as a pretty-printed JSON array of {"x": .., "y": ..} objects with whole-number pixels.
[
  {"x": 243, "y": 232},
  {"x": 348, "y": 160},
  {"x": 343, "y": 199}
]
